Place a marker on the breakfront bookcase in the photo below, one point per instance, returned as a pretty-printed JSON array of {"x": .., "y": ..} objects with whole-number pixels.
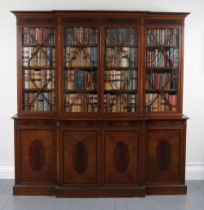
[{"x": 99, "y": 103}]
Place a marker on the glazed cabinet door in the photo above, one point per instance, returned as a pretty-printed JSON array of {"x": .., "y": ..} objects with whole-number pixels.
[
  {"x": 121, "y": 156},
  {"x": 37, "y": 69},
  {"x": 35, "y": 156},
  {"x": 165, "y": 156},
  {"x": 120, "y": 85},
  {"x": 79, "y": 156},
  {"x": 163, "y": 69},
  {"x": 81, "y": 68}
]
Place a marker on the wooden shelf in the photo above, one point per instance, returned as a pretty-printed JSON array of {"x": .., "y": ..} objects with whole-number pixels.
[
  {"x": 85, "y": 68},
  {"x": 120, "y": 68},
  {"x": 81, "y": 45},
  {"x": 39, "y": 90},
  {"x": 162, "y": 46},
  {"x": 120, "y": 45},
  {"x": 160, "y": 69},
  {"x": 80, "y": 91},
  {"x": 120, "y": 91},
  {"x": 39, "y": 45},
  {"x": 161, "y": 91},
  {"x": 38, "y": 68}
]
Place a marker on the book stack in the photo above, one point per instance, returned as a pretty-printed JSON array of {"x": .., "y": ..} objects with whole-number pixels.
[
  {"x": 120, "y": 103},
  {"x": 161, "y": 80},
  {"x": 39, "y": 102},
  {"x": 80, "y": 57},
  {"x": 165, "y": 37},
  {"x": 38, "y": 57},
  {"x": 81, "y": 102},
  {"x": 121, "y": 57},
  {"x": 81, "y": 35},
  {"x": 80, "y": 80},
  {"x": 38, "y": 36},
  {"x": 160, "y": 103},
  {"x": 121, "y": 36},
  {"x": 120, "y": 80},
  {"x": 38, "y": 79},
  {"x": 165, "y": 58}
]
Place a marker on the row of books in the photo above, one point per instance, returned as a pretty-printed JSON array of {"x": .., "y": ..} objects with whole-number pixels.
[
  {"x": 39, "y": 102},
  {"x": 120, "y": 80},
  {"x": 80, "y": 80},
  {"x": 120, "y": 103},
  {"x": 36, "y": 36},
  {"x": 39, "y": 79},
  {"x": 121, "y": 36},
  {"x": 165, "y": 37},
  {"x": 38, "y": 57},
  {"x": 81, "y": 102},
  {"x": 81, "y": 35},
  {"x": 160, "y": 103},
  {"x": 121, "y": 57},
  {"x": 161, "y": 80},
  {"x": 168, "y": 58},
  {"x": 86, "y": 57}
]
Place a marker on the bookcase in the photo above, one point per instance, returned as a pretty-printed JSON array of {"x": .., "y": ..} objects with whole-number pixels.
[{"x": 100, "y": 96}]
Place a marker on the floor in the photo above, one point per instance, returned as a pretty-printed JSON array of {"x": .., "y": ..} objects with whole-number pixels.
[{"x": 193, "y": 201}]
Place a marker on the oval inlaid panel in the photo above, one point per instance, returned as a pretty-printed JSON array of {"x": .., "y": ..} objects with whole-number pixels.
[
  {"x": 80, "y": 157},
  {"x": 163, "y": 155},
  {"x": 36, "y": 155},
  {"x": 121, "y": 157}
]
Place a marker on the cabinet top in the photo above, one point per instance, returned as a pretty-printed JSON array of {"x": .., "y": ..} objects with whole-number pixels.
[{"x": 103, "y": 13}]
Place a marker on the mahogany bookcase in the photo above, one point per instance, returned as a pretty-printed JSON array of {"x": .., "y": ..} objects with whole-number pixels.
[{"x": 100, "y": 96}]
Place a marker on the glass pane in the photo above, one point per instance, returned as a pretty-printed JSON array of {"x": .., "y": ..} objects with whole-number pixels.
[
  {"x": 80, "y": 69},
  {"x": 162, "y": 66},
  {"x": 121, "y": 70},
  {"x": 38, "y": 64}
]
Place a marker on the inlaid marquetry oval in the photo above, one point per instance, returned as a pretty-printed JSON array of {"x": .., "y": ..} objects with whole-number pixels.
[
  {"x": 80, "y": 157},
  {"x": 163, "y": 155},
  {"x": 121, "y": 157},
  {"x": 36, "y": 155}
]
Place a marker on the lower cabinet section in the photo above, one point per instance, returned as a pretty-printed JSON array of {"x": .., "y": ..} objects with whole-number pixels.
[{"x": 86, "y": 161}]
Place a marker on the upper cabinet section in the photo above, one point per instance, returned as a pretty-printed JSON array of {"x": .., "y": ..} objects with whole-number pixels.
[{"x": 100, "y": 63}]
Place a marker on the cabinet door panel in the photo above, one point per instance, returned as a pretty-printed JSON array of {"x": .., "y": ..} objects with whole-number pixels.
[
  {"x": 79, "y": 156},
  {"x": 162, "y": 69},
  {"x": 163, "y": 161},
  {"x": 121, "y": 156},
  {"x": 37, "y": 157}
]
